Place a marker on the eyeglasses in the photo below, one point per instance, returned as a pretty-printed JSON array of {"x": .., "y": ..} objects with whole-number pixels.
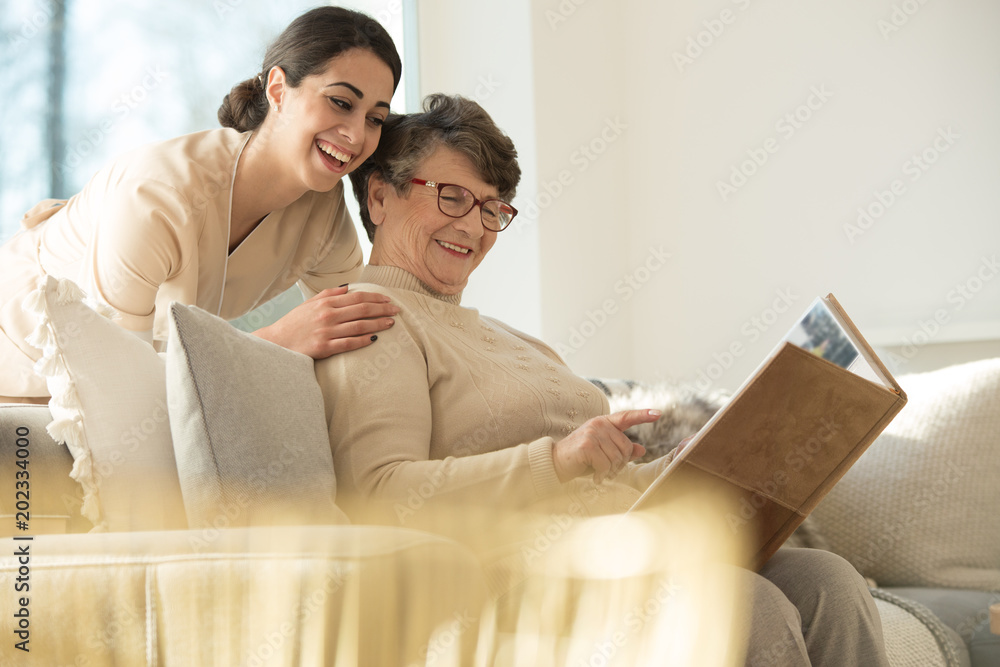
[{"x": 455, "y": 201}]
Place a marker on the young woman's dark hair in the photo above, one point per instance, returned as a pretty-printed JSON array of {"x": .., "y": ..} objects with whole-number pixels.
[{"x": 303, "y": 49}]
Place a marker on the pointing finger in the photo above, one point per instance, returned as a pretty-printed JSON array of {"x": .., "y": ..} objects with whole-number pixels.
[{"x": 629, "y": 418}]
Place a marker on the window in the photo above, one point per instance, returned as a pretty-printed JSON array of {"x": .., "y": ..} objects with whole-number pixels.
[{"x": 88, "y": 80}]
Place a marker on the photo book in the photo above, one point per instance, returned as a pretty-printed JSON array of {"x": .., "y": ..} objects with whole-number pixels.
[{"x": 789, "y": 433}]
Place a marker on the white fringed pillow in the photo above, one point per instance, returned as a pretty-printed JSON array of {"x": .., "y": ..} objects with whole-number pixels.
[
  {"x": 920, "y": 507},
  {"x": 109, "y": 406}
]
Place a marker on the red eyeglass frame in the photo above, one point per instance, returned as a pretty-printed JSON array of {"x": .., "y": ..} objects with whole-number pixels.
[{"x": 475, "y": 202}]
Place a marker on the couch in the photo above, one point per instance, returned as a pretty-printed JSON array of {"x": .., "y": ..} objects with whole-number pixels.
[{"x": 157, "y": 537}]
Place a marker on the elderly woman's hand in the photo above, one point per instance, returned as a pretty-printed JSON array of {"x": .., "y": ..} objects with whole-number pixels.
[
  {"x": 331, "y": 322},
  {"x": 600, "y": 445}
]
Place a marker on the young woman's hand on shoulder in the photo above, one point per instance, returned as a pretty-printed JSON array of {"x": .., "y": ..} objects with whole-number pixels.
[{"x": 332, "y": 322}]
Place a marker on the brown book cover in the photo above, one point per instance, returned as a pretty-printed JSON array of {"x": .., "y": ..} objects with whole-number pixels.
[{"x": 783, "y": 440}]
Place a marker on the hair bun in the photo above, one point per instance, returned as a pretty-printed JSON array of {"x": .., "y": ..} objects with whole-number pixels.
[{"x": 245, "y": 107}]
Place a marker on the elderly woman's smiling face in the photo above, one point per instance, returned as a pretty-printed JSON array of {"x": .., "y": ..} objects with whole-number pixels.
[{"x": 413, "y": 234}]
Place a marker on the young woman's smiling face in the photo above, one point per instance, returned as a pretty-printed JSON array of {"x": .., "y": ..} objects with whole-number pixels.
[
  {"x": 413, "y": 234},
  {"x": 331, "y": 122}
]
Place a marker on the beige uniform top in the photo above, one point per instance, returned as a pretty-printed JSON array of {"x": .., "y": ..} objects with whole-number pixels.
[{"x": 153, "y": 227}]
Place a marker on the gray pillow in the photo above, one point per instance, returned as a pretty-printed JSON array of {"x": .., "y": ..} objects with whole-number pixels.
[{"x": 249, "y": 428}]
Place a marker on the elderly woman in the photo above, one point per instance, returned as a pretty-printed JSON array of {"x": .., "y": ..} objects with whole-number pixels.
[{"x": 450, "y": 407}]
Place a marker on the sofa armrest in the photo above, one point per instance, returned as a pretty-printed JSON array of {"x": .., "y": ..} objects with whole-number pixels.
[
  {"x": 915, "y": 636},
  {"x": 54, "y": 498}
]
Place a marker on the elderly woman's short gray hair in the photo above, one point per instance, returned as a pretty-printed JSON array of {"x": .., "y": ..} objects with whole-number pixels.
[{"x": 447, "y": 120}]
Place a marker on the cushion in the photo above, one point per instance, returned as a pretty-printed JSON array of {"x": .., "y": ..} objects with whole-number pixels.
[
  {"x": 109, "y": 406},
  {"x": 920, "y": 507},
  {"x": 249, "y": 427}
]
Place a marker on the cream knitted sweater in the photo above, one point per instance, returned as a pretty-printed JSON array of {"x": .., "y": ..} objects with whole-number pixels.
[{"x": 448, "y": 406}]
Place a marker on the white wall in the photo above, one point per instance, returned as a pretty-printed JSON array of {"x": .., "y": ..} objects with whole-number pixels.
[
  {"x": 483, "y": 51},
  {"x": 641, "y": 139},
  {"x": 586, "y": 228}
]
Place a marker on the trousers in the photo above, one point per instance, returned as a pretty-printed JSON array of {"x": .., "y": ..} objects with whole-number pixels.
[{"x": 811, "y": 607}]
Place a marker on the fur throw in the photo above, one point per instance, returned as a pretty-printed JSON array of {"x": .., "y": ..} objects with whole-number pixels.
[{"x": 684, "y": 411}]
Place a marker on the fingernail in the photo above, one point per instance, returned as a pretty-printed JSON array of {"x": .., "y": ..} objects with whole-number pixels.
[
  {"x": 654, "y": 413},
  {"x": 374, "y": 338},
  {"x": 345, "y": 285}
]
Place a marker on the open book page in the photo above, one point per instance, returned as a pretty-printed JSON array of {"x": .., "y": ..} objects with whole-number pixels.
[
  {"x": 822, "y": 331},
  {"x": 819, "y": 331}
]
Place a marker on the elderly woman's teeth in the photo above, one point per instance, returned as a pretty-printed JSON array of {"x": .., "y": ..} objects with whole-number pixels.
[{"x": 452, "y": 246}]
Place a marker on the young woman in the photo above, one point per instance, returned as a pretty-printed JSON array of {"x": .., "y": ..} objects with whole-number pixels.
[{"x": 226, "y": 219}]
